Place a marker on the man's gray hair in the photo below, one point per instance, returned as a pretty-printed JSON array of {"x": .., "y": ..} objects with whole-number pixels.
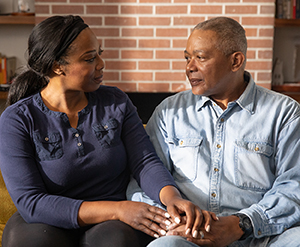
[{"x": 231, "y": 35}]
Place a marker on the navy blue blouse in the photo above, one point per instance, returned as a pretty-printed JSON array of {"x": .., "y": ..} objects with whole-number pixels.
[{"x": 49, "y": 167}]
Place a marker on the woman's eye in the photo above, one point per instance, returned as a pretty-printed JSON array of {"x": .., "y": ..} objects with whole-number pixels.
[
  {"x": 90, "y": 60},
  {"x": 100, "y": 52}
]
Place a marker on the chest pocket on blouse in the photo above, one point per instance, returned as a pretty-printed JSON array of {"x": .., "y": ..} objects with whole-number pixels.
[
  {"x": 48, "y": 146},
  {"x": 252, "y": 165},
  {"x": 108, "y": 133},
  {"x": 184, "y": 153}
]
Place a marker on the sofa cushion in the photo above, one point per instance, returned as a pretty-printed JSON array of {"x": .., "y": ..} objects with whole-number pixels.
[{"x": 7, "y": 208}]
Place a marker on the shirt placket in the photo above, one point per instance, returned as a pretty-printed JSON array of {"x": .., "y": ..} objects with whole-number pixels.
[{"x": 217, "y": 154}]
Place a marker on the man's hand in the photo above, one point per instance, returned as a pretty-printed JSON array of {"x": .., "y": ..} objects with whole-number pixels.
[{"x": 222, "y": 232}]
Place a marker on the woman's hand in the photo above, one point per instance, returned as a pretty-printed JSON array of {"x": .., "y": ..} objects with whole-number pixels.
[
  {"x": 144, "y": 217},
  {"x": 177, "y": 206}
]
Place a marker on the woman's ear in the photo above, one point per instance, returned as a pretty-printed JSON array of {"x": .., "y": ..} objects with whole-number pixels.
[
  {"x": 238, "y": 60},
  {"x": 57, "y": 69}
]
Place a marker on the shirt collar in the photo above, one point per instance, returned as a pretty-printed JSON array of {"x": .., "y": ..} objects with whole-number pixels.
[{"x": 245, "y": 101}]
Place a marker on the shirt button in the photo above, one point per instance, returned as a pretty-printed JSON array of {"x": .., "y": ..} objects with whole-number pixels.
[
  {"x": 222, "y": 120},
  {"x": 76, "y": 135},
  {"x": 259, "y": 233},
  {"x": 216, "y": 169},
  {"x": 181, "y": 143},
  {"x": 256, "y": 149},
  {"x": 46, "y": 139},
  {"x": 78, "y": 144},
  {"x": 218, "y": 146},
  {"x": 213, "y": 194},
  {"x": 105, "y": 127}
]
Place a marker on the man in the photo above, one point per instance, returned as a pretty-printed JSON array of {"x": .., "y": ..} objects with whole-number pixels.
[{"x": 232, "y": 146}]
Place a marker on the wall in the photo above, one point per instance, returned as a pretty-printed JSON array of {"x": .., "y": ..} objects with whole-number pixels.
[{"x": 144, "y": 40}]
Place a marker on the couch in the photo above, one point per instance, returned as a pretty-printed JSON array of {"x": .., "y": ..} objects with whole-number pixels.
[{"x": 7, "y": 208}]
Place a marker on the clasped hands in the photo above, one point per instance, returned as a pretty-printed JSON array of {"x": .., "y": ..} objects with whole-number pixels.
[{"x": 184, "y": 219}]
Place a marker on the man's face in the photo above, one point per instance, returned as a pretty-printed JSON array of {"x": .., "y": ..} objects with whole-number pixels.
[{"x": 207, "y": 68}]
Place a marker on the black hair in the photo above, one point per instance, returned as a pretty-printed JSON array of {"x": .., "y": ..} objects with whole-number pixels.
[{"x": 48, "y": 43}]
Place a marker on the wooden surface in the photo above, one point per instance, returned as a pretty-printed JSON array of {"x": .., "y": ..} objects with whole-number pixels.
[{"x": 17, "y": 19}]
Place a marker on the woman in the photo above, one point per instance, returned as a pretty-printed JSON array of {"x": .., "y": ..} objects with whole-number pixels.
[{"x": 69, "y": 145}]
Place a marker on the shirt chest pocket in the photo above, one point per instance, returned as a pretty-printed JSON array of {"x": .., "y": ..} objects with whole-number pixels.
[
  {"x": 108, "y": 133},
  {"x": 185, "y": 156},
  {"x": 48, "y": 146},
  {"x": 253, "y": 169}
]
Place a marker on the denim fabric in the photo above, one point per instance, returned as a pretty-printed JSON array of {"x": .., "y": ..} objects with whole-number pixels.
[{"x": 245, "y": 158}]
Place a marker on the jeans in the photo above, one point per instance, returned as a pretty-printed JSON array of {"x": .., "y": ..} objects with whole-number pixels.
[{"x": 289, "y": 238}]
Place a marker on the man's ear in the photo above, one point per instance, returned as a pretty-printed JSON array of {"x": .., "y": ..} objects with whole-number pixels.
[
  {"x": 238, "y": 60},
  {"x": 57, "y": 69}
]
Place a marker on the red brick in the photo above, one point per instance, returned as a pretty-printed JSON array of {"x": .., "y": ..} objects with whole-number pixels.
[
  {"x": 241, "y": 9},
  {"x": 206, "y": 9},
  {"x": 260, "y": 43},
  {"x": 267, "y": 9},
  {"x": 136, "y": 9},
  {"x": 189, "y": 1},
  {"x": 121, "y": 43},
  {"x": 153, "y": 65},
  {"x": 67, "y": 9},
  {"x": 179, "y": 65},
  {"x": 119, "y": 65},
  {"x": 223, "y": 1},
  {"x": 111, "y": 76},
  {"x": 171, "y": 32},
  {"x": 92, "y": 21},
  {"x": 50, "y": 1},
  {"x": 155, "y": 1},
  {"x": 265, "y": 54},
  {"x": 154, "y": 43},
  {"x": 266, "y": 32},
  {"x": 119, "y": 1},
  {"x": 136, "y": 54},
  {"x": 251, "y": 54},
  {"x": 154, "y": 21},
  {"x": 85, "y": 1},
  {"x": 110, "y": 54},
  {"x": 169, "y": 54},
  {"x": 120, "y": 21},
  {"x": 179, "y": 9},
  {"x": 153, "y": 87},
  {"x": 259, "y": 21},
  {"x": 259, "y": 65},
  {"x": 101, "y": 9},
  {"x": 136, "y": 76},
  {"x": 180, "y": 43},
  {"x": 258, "y": 1},
  {"x": 192, "y": 21},
  {"x": 136, "y": 32},
  {"x": 42, "y": 9},
  {"x": 170, "y": 76},
  {"x": 106, "y": 32},
  {"x": 125, "y": 87},
  {"x": 251, "y": 32},
  {"x": 264, "y": 76}
]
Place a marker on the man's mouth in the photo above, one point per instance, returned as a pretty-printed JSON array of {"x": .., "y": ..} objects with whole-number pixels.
[{"x": 195, "y": 81}]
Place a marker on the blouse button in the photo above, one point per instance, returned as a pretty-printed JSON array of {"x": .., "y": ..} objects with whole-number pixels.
[
  {"x": 216, "y": 169},
  {"x": 78, "y": 144},
  {"x": 105, "y": 127},
  {"x": 218, "y": 146},
  {"x": 46, "y": 139},
  {"x": 256, "y": 149},
  {"x": 76, "y": 135},
  {"x": 213, "y": 194}
]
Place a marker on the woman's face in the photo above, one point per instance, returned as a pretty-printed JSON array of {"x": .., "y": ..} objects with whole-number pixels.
[{"x": 84, "y": 71}]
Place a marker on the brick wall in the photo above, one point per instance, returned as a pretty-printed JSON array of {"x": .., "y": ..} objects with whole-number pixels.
[{"x": 144, "y": 40}]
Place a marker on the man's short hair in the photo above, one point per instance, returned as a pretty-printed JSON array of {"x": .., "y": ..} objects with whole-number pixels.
[{"x": 231, "y": 35}]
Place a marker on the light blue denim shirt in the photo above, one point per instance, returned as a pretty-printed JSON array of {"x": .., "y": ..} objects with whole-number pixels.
[{"x": 245, "y": 158}]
